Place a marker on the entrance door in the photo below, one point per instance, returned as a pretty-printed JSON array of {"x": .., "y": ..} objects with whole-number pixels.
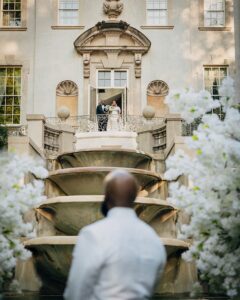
[
  {"x": 124, "y": 105},
  {"x": 112, "y": 85},
  {"x": 108, "y": 95}
]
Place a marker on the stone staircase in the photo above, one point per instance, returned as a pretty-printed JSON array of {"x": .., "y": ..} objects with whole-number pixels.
[{"x": 75, "y": 192}]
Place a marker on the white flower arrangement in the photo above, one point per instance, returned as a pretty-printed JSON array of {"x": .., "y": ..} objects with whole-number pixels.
[
  {"x": 213, "y": 198},
  {"x": 16, "y": 198}
]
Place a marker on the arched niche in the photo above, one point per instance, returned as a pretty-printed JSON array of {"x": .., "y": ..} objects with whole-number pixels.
[
  {"x": 157, "y": 90},
  {"x": 67, "y": 95}
]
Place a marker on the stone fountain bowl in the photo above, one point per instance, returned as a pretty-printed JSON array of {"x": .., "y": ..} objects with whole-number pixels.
[
  {"x": 52, "y": 258},
  {"x": 89, "y": 180},
  {"x": 67, "y": 215},
  {"x": 108, "y": 157}
]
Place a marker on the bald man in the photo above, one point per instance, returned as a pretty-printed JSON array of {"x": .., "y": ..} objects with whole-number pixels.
[{"x": 119, "y": 257}]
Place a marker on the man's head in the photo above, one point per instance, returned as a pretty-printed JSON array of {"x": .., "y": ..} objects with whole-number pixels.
[{"x": 121, "y": 189}]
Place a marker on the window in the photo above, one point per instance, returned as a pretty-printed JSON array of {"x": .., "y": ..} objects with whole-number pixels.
[
  {"x": 112, "y": 78},
  {"x": 11, "y": 13},
  {"x": 10, "y": 95},
  {"x": 213, "y": 77},
  {"x": 120, "y": 78},
  {"x": 157, "y": 13},
  {"x": 214, "y": 13},
  {"x": 68, "y": 12}
]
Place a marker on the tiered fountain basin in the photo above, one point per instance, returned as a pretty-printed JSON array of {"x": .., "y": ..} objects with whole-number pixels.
[
  {"x": 53, "y": 214},
  {"x": 75, "y": 194},
  {"x": 89, "y": 180},
  {"x": 108, "y": 157},
  {"x": 103, "y": 139},
  {"x": 52, "y": 258}
]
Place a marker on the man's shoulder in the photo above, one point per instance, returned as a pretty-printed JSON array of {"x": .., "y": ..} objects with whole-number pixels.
[{"x": 95, "y": 228}]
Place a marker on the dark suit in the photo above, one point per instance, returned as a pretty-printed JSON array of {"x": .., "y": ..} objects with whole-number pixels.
[{"x": 102, "y": 118}]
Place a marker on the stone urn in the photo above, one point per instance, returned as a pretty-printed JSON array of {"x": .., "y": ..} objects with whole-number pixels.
[
  {"x": 63, "y": 113},
  {"x": 149, "y": 112},
  {"x": 112, "y": 8}
]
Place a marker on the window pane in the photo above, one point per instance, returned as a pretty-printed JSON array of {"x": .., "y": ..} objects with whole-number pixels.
[
  {"x": 9, "y": 100},
  {"x": 120, "y": 78},
  {"x": 104, "y": 78},
  {"x": 2, "y": 110},
  {"x": 16, "y": 110},
  {"x": 17, "y": 100},
  {"x": 16, "y": 119},
  {"x": 2, "y": 71}
]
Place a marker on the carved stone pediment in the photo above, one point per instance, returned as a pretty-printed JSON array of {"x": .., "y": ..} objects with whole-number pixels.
[
  {"x": 113, "y": 37},
  {"x": 112, "y": 8}
]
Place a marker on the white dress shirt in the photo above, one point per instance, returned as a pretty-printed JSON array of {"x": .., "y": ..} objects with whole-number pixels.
[{"x": 117, "y": 258}]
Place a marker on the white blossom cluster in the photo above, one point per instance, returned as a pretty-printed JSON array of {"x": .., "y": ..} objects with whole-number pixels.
[
  {"x": 16, "y": 198},
  {"x": 212, "y": 198},
  {"x": 190, "y": 104}
]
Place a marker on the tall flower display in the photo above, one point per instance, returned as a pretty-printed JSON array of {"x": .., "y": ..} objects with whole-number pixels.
[
  {"x": 16, "y": 198},
  {"x": 212, "y": 198}
]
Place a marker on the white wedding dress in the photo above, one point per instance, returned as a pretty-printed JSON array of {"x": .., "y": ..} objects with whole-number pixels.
[{"x": 114, "y": 118}]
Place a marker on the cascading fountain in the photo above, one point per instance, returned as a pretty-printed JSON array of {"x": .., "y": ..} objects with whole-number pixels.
[{"x": 75, "y": 193}]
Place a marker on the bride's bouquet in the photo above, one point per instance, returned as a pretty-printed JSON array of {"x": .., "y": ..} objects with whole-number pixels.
[{"x": 107, "y": 108}]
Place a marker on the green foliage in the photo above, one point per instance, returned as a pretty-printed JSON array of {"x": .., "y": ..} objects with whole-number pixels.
[{"x": 3, "y": 136}]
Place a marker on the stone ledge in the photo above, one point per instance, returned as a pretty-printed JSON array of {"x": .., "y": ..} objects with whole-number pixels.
[
  {"x": 36, "y": 117},
  {"x": 210, "y": 28},
  {"x": 62, "y": 27},
  {"x": 167, "y": 27},
  {"x": 13, "y": 28}
]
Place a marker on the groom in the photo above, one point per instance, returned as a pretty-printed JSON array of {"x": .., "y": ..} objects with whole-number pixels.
[
  {"x": 102, "y": 117},
  {"x": 119, "y": 257}
]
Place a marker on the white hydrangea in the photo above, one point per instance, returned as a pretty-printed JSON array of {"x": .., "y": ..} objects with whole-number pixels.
[
  {"x": 189, "y": 104},
  {"x": 16, "y": 198},
  {"x": 213, "y": 197}
]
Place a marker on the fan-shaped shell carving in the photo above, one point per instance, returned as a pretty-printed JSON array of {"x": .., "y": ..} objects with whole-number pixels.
[
  {"x": 67, "y": 88},
  {"x": 157, "y": 88}
]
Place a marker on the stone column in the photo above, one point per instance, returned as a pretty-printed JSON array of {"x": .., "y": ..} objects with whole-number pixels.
[
  {"x": 36, "y": 129},
  {"x": 66, "y": 138},
  {"x": 173, "y": 127},
  {"x": 237, "y": 44}
]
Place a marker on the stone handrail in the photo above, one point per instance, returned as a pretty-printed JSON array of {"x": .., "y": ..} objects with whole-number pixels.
[
  {"x": 51, "y": 140},
  {"x": 88, "y": 123},
  {"x": 160, "y": 138}
]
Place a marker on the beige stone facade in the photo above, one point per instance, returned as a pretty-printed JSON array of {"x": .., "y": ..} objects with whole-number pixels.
[{"x": 50, "y": 53}]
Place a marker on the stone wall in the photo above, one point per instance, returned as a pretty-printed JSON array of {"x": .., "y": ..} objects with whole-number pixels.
[{"x": 47, "y": 55}]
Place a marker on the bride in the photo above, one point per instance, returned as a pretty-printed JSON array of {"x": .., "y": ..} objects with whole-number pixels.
[{"x": 114, "y": 117}]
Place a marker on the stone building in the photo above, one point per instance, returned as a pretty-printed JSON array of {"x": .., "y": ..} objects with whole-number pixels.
[{"x": 75, "y": 53}]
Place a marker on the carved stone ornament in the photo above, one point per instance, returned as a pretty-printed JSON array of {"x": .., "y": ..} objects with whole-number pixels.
[
  {"x": 138, "y": 65},
  {"x": 112, "y": 8},
  {"x": 67, "y": 88},
  {"x": 86, "y": 65},
  {"x": 157, "y": 88}
]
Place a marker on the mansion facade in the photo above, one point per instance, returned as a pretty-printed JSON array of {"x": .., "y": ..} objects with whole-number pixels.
[{"x": 76, "y": 53}]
